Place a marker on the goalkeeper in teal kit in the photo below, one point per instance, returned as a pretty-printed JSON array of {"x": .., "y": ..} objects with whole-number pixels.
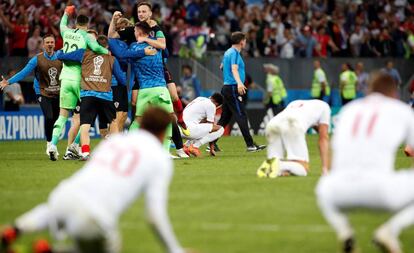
[
  {"x": 150, "y": 72},
  {"x": 70, "y": 77}
]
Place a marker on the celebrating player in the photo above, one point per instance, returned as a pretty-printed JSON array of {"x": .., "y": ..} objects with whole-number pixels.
[
  {"x": 367, "y": 137},
  {"x": 199, "y": 117},
  {"x": 150, "y": 73},
  {"x": 144, "y": 10},
  {"x": 125, "y": 166},
  {"x": 286, "y": 133},
  {"x": 96, "y": 92},
  {"x": 46, "y": 83},
  {"x": 70, "y": 77}
]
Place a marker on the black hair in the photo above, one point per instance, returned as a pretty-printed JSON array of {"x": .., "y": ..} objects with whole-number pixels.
[
  {"x": 82, "y": 20},
  {"x": 237, "y": 37},
  {"x": 102, "y": 40},
  {"x": 218, "y": 98},
  {"x": 144, "y": 26}
]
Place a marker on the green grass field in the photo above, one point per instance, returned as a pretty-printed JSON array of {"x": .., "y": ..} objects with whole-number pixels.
[{"x": 217, "y": 205}]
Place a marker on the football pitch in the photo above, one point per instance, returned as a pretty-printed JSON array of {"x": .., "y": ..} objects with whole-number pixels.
[{"x": 217, "y": 205}]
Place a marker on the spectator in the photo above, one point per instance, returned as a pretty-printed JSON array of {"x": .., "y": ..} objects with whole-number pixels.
[
  {"x": 276, "y": 92},
  {"x": 324, "y": 40},
  {"x": 344, "y": 22},
  {"x": 389, "y": 68},
  {"x": 287, "y": 46},
  {"x": 19, "y": 32},
  {"x": 347, "y": 83},
  {"x": 356, "y": 40},
  {"x": 12, "y": 94},
  {"x": 191, "y": 87},
  {"x": 362, "y": 83},
  {"x": 34, "y": 44},
  {"x": 307, "y": 43},
  {"x": 367, "y": 47}
]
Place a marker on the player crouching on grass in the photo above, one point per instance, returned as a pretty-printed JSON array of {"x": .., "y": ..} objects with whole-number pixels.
[
  {"x": 199, "y": 117},
  {"x": 286, "y": 134},
  {"x": 88, "y": 212},
  {"x": 96, "y": 92},
  {"x": 367, "y": 138}
]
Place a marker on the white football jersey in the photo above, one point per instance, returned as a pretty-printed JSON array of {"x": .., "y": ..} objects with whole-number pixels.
[
  {"x": 118, "y": 171},
  {"x": 199, "y": 109},
  {"x": 308, "y": 112},
  {"x": 369, "y": 132}
]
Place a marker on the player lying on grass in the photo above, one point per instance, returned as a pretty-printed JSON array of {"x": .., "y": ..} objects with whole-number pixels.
[
  {"x": 286, "y": 134},
  {"x": 367, "y": 136},
  {"x": 70, "y": 76},
  {"x": 199, "y": 117},
  {"x": 150, "y": 72},
  {"x": 46, "y": 83},
  {"x": 88, "y": 212}
]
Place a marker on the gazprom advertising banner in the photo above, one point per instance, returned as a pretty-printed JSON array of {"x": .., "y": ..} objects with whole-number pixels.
[{"x": 28, "y": 124}]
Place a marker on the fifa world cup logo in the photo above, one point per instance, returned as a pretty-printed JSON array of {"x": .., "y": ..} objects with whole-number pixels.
[
  {"x": 97, "y": 62},
  {"x": 52, "y": 75}
]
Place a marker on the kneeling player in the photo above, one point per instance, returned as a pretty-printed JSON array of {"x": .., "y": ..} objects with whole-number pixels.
[
  {"x": 199, "y": 117},
  {"x": 369, "y": 133},
  {"x": 88, "y": 212},
  {"x": 286, "y": 133}
]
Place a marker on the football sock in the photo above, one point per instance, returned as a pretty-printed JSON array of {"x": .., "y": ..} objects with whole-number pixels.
[
  {"x": 336, "y": 219},
  {"x": 293, "y": 168},
  {"x": 77, "y": 139},
  {"x": 35, "y": 220},
  {"x": 57, "y": 129},
  {"x": 209, "y": 138},
  {"x": 86, "y": 149},
  {"x": 401, "y": 220},
  {"x": 176, "y": 136},
  {"x": 178, "y": 109},
  {"x": 134, "y": 125},
  {"x": 167, "y": 140}
]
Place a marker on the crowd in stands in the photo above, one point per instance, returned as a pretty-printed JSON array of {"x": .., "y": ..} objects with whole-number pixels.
[{"x": 276, "y": 28}]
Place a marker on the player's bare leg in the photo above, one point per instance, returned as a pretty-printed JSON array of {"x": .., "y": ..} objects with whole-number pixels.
[
  {"x": 73, "y": 131},
  {"x": 113, "y": 127},
  {"x": 103, "y": 133},
  {"x": 121, "y": 118}
]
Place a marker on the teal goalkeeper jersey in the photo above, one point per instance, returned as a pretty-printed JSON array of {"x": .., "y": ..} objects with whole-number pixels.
[{"x": 74, "y": 39}]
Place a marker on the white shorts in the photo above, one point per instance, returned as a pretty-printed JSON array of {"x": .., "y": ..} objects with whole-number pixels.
[
  {"x": 70, "y": 217},
  {"x": 387, "y": 191},
  {"x": 285, "y": 135},
  {"x": 198, "y": 131}
]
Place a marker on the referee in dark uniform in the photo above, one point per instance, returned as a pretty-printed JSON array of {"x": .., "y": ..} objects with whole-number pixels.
[{"x": 233, "y": 90}]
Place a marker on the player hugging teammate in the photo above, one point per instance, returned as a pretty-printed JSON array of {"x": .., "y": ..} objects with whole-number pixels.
[{"x": 88, "y": 73}]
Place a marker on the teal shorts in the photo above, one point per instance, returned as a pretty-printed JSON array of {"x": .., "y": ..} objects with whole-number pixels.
[{"x": 69, "y": 94}]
